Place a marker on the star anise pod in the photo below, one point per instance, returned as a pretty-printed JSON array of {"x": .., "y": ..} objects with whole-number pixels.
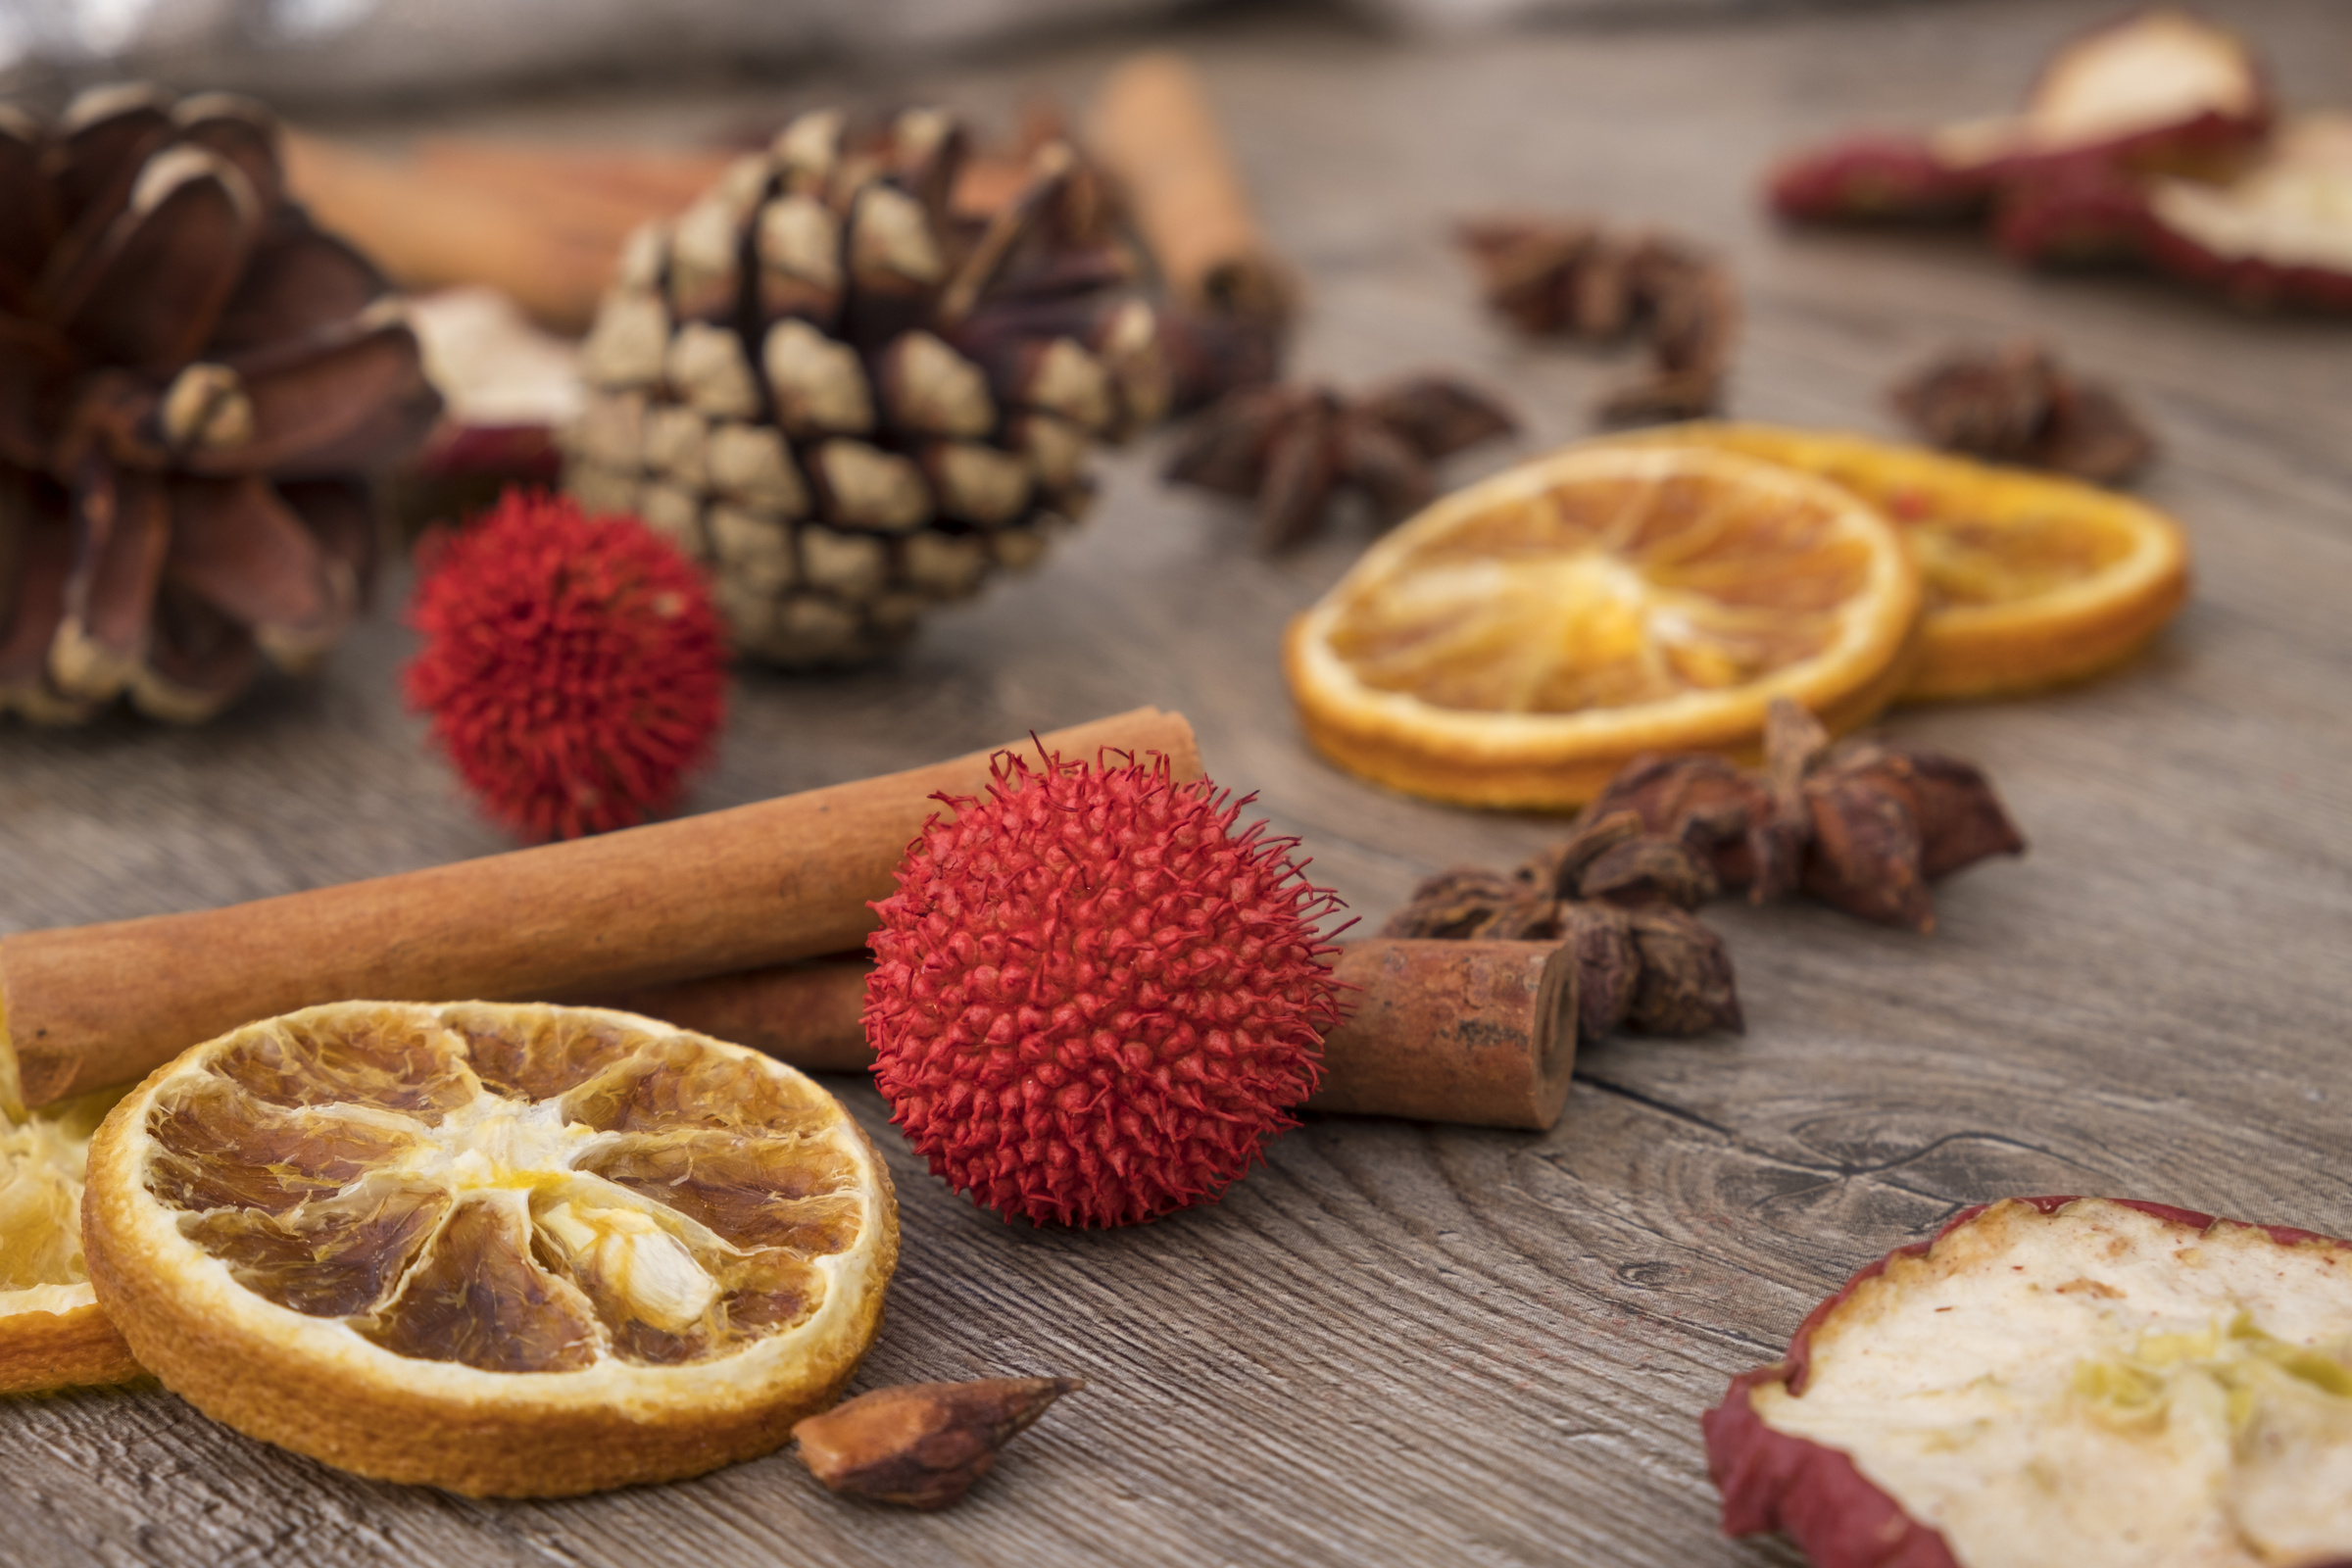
[
  {"x": 2019, "y": 405},
  {"x": 1578, "y": 278},
  {"x": 193, "y": 383},
  {"x": 1650, "y": 967},
  {"x": 1294, "y": 447},
  {"x": 1864, "y": 824}
]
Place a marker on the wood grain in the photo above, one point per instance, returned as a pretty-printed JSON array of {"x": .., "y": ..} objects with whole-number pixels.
[{"x": 1396, "y": 1344}]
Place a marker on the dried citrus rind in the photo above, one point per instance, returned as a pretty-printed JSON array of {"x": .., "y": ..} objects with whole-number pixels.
[
  {"x": 2061, "y": 1383},
  {"x": 512, "y": 1251},
  {"x": 2032, "y": 581},
  {"x": 1519, "y": 641},
  {"x": 53, "y": 1334}
]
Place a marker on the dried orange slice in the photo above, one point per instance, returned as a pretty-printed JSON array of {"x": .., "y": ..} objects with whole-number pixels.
[
  {"x": 2032, "y": 581},
  {"x": 52, "y": 1333},
  {"x": 512, "y": 1250},
  {"x": 1519, "y": 641}
]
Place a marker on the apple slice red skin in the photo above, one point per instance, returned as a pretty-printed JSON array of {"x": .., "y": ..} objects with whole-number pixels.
[
  {"x": 2206, "y": 141},
  {"x": 1880, "y": 178},
  {"x": 1877, "y": 179},
  {"x": 2249, "y": 281},
  {"x": 1813, "y": 1494},
  {"x": 2080, "y": 215}
]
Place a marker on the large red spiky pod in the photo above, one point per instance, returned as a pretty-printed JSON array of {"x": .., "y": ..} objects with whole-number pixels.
[
  {"x": 573, "y": 666},
  {"x": 1095, "y": 993}
]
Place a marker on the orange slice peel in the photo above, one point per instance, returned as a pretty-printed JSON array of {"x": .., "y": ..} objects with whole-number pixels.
[
  {"x": 1519, "y": 641},
  {"x": 510, "y": 1251},
  {"x": 53, "y": 1334}
]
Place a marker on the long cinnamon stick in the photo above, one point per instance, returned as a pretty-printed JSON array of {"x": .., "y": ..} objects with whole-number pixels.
[
  {"x": 428, "y": 233},
  {"x": 788, "y": 879},
  {"x": 1476, "y": 1032}
]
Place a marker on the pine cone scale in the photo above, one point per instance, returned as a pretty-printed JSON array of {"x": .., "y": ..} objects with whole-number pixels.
[
  {"x": 148, "y": 296},
  {"x": 41, "y": 551},
  {"x": 298, "y": 282},
  {"x": 122, "y": 531},
  {"x": 324, "y": 405},
  {"x": 245, "y": 553}
]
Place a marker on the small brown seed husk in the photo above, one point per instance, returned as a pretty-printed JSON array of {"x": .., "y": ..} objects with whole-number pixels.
[{"x": 922, "y": 1444}]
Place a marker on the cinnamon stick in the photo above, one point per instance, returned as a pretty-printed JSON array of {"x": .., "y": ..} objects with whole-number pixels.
[
  {"x": 786, "y": 878},
  {"x": 1153, "y": 129},
  {"x": 1476, "y": 1032},
  {"x": 427, "y": 232}
]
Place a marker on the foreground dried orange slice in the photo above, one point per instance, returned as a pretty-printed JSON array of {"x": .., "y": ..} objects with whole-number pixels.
[
  {"x": 2032, "y": 581},
  {"x": 1519, "y": 641},
  {"x": 512, "y": 1251},
  {"x": 52, "y": 1333}
]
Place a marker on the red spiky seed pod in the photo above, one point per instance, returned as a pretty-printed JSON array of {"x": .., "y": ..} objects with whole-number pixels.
[
  {"x": 1096, "y": 993},
  {"x": 573, "y": 666}
]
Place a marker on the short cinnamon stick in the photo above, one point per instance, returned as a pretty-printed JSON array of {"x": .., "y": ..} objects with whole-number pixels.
[
  {"x": 786, "y": 878},
  {"x": 1476, "y": 1032},
  {"x": 1153, "y": 129}
]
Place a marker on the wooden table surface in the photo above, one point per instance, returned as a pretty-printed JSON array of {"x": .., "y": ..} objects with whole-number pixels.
[{"x": 1399, "y": 1343}]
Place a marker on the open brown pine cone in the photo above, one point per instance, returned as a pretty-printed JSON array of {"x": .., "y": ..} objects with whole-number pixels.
[
  {"x": 850, "y": 402},
  {"x": 194, "y": 383}
]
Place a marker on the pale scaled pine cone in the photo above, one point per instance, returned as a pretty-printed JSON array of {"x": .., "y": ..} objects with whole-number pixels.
[
  {"x": 194, "y": 385},
  {"x": 851, "y": 403}
]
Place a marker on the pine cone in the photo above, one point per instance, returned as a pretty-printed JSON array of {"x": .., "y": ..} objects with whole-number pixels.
[
  {"x": 193, "y": 382},
  {"x": 849, "y": 403}
]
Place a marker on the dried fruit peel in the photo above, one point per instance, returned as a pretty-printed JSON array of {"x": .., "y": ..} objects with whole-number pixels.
[
  {"x": 2155, "y": 90},
  {"x": 505, "y": 1249},
  {"x": 53, "y": 1335},
  {"x": 2031, "y": 580},
  {"x": 2072, "y": 1382},
  {"x": 1516, "y": 643}
]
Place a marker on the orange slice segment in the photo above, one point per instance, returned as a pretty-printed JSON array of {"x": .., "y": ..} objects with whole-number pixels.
[
  {"x": 53, "y": 1335},
  {"x": 1519, "y": 641},
  {"x": 2032, "y": 581},
  {"x": 512, "y": 1250}
]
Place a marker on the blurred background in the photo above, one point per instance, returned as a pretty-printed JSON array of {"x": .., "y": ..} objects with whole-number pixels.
[{"x": 330, "y": 49}]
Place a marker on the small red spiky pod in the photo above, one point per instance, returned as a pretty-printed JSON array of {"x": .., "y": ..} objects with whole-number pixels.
[
  {"x": 573, "y": 666},
  {"x": 1094, "y": 996}
]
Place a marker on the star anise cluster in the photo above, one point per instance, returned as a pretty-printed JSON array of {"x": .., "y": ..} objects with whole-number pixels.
[
  {"x": 1863, "y": 824},
  {"x": 1650, "y": 967},
  {"x": 2018, "y": 404},
  {"x": 1293, "y": 448},
  {"x": 1576, "y": 278}
]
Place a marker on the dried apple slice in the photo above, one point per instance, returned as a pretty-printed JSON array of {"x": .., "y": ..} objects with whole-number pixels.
[
  {"x": 2155, "y": 90},
  {"x": 2060, "y": 1383}
]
